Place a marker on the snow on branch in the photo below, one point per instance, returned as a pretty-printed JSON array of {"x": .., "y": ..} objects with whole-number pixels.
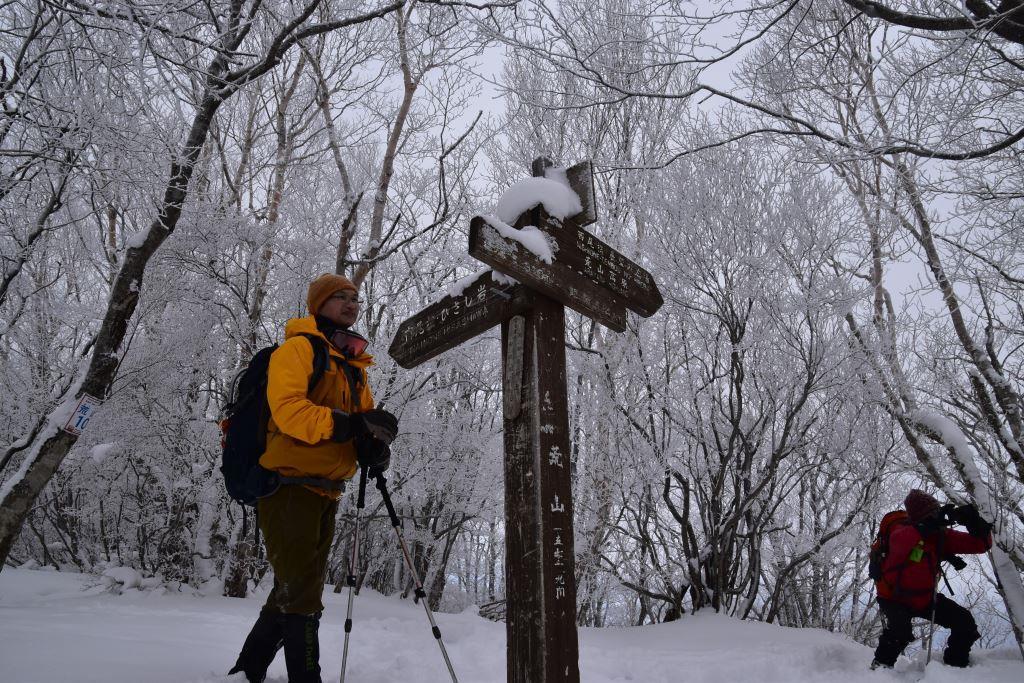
[{"x": 953, "y": 438}]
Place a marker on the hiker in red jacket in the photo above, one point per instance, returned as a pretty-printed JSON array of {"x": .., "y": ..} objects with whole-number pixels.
[{"x": 910, "y": 575}]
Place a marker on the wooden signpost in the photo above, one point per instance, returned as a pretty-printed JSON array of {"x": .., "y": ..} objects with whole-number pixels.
[
  {"x": 556, "y": 280},
  {"x": 456, "y": 319},
  {"x": 587, "y": 276}
]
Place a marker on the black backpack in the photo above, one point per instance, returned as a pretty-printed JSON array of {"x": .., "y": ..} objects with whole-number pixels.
[{"x": 244, "y": 428}]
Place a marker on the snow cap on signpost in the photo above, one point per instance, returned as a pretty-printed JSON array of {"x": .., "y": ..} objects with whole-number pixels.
[{"x": 559, "y": 200}]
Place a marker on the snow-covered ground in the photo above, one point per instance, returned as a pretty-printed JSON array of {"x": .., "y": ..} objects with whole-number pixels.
[{"x": 69, "y": 627}]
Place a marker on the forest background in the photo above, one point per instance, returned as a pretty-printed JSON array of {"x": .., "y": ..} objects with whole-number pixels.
[{"x": 828, "y": 192}]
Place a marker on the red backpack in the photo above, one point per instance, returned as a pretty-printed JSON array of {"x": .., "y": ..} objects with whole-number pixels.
[{"x": 880, "y": 546}]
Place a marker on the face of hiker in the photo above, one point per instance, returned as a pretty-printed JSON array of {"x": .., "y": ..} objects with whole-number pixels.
[{"x": 341, "y": 308}]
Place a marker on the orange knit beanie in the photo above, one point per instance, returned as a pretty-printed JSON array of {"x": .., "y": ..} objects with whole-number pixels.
[{"x": 325, "y": 286}]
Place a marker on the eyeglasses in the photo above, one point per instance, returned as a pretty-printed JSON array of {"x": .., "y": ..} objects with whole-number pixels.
[{"x": 346, "y": 299}]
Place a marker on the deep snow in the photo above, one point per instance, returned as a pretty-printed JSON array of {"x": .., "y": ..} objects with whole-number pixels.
[{"x": 69, "y": 627}]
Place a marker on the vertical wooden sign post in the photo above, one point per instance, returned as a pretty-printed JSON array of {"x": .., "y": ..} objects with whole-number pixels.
[
  {"x": 540, "y": 578},
  {"x": 594, "y": 279}
]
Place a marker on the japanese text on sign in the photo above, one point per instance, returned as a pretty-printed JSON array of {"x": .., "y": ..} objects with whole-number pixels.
[{"x": 79, "y": 419}]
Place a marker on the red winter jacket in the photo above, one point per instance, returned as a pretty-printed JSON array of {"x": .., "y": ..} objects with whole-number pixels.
[{"x": 913, "y": 582}]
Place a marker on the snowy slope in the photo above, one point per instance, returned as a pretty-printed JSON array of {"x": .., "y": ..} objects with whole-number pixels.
[{"x": 64, "y": 627}]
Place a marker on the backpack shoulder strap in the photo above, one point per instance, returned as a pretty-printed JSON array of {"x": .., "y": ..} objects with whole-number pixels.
[
  {"x": 940, "y": 550},
  {"x": 321, "y": 357},
  {"x": 321, "y": 360},
  {"x": 355, "y": 380}
]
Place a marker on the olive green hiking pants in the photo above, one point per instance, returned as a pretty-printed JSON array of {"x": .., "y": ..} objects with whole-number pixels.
[{"x": 298, "y": 528}]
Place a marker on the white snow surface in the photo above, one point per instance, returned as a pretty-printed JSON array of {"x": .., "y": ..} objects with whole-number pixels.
[
  {"x": 558, "y": 198},
  {"x": 57, "y": 626}
]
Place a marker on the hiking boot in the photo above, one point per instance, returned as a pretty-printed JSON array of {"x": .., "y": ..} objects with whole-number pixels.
[
  {"x": 957, "y": 659},
  {"x": 875, "y": 664},
  {"x": 958, "y": 647},
  {"x": 260, "y": 648}
]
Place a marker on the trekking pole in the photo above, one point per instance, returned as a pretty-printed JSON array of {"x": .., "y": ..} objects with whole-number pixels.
[
  {"x": 353, "y": 564},
  {"x": 931, "y": 622},
  {"x": 396, "y": 524}
]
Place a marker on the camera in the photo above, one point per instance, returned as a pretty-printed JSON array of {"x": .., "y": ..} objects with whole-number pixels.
[
  {"x": 956, "y": 562},
  {"x": 967, "y": 515},
  {"x": 951, "y": 514}
]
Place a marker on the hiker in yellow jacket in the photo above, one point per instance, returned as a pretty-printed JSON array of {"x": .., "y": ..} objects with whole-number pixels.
[{"x": 324, "y": 436}]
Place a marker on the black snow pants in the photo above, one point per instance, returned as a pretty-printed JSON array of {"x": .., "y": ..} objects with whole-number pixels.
[{"x": 897, "y": 633}]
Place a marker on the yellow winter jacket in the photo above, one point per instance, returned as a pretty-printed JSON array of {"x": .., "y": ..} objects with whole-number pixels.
[{"x": 300, "y": 426}]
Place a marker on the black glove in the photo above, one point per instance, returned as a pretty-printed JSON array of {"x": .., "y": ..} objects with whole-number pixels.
[
  {"x": 373, "y": 454},
  {"x": 380, "y": 424},
  {"x": 956, "y": 562},
  {"x": 342, "y": 426},
  {"x": 969, "y": 516}
]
